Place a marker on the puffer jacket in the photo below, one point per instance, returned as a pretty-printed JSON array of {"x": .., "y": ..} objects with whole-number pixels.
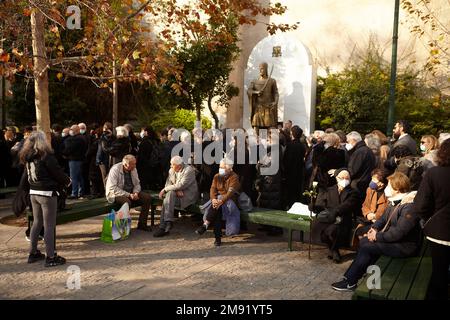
[{"x": 402, "y": 224}]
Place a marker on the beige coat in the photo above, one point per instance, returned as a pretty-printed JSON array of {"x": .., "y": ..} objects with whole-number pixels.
[
  {"x": 183, "y": 181},
  {"x": 116, "y": 181}
]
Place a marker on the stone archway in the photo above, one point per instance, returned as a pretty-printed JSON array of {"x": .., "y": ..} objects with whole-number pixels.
[{"x": 295, "y": 75}]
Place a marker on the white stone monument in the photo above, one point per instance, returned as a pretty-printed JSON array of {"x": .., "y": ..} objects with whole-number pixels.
[{"x": 295, "y": 75}]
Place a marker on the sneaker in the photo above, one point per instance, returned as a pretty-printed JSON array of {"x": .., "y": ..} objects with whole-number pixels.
[
  {"x": 343, "y": 285},
  {"x": 160, "y": 233},
  {"x": 28, "y": 238},
  {"x": 201, "y": 230},
  {"x": 55, "y": 261},
  {"x": 218, "y": 242},
  {"x": 33, "y": 257}
]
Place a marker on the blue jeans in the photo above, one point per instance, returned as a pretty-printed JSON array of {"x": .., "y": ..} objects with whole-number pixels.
[{"x": 76, "y": 175}]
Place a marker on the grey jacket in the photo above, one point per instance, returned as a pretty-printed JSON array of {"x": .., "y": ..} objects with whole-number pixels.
[
  {"x": 116, "y": 181},
  {"x": 183, "y": 181}
]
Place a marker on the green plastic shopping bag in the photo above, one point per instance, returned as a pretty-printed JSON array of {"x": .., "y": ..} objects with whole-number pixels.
[{"x": 116, "y": 225}]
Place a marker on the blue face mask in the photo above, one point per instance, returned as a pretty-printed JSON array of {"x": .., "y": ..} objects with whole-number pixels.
[
  {"x": 221, "y": 171},
  {"x": 373, "y": 185},
  {"x": 82, "y": 131}
]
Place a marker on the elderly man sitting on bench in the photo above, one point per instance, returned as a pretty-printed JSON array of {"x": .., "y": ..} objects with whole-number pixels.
[
  {"x": 181, "y": 191},
  {"x": 123, "y": 185}
]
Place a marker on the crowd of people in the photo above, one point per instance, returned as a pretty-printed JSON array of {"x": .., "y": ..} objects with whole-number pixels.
[{"x": 373, "y": 191}]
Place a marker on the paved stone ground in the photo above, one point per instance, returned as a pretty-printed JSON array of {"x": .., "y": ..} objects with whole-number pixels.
[{"x": 180, "y": 266}]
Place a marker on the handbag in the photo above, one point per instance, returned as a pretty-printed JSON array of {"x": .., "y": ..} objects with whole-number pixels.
[
  {"x": 244, "y": 202},
  {"x": 326, "y": 216}
]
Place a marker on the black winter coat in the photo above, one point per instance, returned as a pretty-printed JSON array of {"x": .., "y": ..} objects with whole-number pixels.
[
  {"x": 344, "y": 204},
  {"x": 75, "y": 148},
  {"x": 361, "y": 163},
  {"x": 294, "y": 170},
  {"x": 120, "y": 147},
  {"x": 325, "y": 160},
  {"x": 45, "y": 174},
  {"x": 432, "y": 203}
]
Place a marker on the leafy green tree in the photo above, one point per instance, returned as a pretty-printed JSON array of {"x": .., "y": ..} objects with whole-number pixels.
[
  {"x": 357, "y": 98},
  {"x": 180, "y": 118}
]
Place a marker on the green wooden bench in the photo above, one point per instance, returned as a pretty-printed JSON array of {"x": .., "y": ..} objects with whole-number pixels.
[
  {"x": 90, "y": 208},
  {"x": 85, "y": 209},
  {"x": 5, "y": 191},
  {"x": 401, "y": 278},
  {"x": 271, "y": 217}
]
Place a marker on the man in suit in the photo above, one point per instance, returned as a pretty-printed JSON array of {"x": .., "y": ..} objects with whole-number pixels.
[
  {"x": 401, "y": 134},
  {"x": 181, "y": 190}
]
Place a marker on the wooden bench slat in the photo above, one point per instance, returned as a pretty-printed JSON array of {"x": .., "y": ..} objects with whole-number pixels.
[
  {"x": 403, "y": 284},
  {"x": 388, "y": 279},
  {"x": 419, "y": 288},
  {"x": 362, "y": 291}
]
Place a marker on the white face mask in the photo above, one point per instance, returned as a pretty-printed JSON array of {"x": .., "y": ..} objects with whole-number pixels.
[
  {"x": 388, "y": 191},
  {"x": 222, "y": 171},
  {"x": 142, "y": 134},
  {"x": 423, "y": 148},
  {"x": 326, "y": 146},
  {"x": 348, "y": 146},
  {"x": 71, "y": 133},
  {"x": 343, "y": 183},
  {"x": 63, "y": 134}
]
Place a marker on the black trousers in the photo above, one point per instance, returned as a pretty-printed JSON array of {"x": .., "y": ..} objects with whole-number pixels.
[
  {"x": 214, "y": 217},
  {"x": 440, "y": 256}
]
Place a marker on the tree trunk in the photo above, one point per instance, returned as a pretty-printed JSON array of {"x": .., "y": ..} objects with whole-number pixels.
[
  {"x": 198, "y": 109},
  {"x": 115, "y": 116},
  {"x": 213, "y": 113},
  {"x": 40, "y": 70}
]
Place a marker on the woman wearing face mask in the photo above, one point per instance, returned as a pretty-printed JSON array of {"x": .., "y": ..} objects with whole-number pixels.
[
  {"x": 223, "y": 204},
  {"x": 396, "y": 234},
  {"x": 340, "y": 201},
  {"x": 375, "y": 203},
  {"x": 429, "y": 146}
]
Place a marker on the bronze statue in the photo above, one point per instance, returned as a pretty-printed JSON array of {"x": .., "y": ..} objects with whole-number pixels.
[{"x": 263, "y": 97}]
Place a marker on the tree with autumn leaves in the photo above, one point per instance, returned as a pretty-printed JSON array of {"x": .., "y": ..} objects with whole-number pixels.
[{"x": 121, "y": 40}]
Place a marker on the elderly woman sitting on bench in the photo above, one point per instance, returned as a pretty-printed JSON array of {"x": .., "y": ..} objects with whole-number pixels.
[{"x": 224, "y": 200}]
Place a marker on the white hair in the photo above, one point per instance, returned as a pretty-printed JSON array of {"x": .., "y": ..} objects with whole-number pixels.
[
  {"x": 354, "y": 136},
  {"x": 319, "y": 133},
  {"x": 129, "y": 157},
  {"x": 373, "y": 142},
  {"x": 176, "y": 160},
  {"x": 443, "y": 136},
  {"x": 227, "y": 162},
  {"x": 82, "y": 125},
  {"x": 185, "y": 136},
  {"x": 121, "y": 131}
]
